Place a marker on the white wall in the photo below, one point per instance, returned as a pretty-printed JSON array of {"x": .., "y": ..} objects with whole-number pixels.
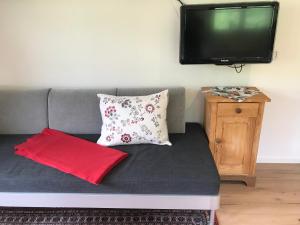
[{"x": 90, "y": 43}]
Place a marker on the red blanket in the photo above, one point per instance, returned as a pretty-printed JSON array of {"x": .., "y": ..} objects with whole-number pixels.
[{"x": 81, "y": 158}]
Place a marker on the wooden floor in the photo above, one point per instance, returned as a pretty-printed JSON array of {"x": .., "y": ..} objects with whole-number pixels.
[{"x": 274, "y": 201}]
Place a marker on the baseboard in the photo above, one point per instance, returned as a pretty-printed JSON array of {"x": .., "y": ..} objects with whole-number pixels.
[{"x": 278, "y": 160}]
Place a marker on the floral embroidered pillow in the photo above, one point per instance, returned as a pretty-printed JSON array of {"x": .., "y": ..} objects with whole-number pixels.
[{"x": 134, "y": 119}]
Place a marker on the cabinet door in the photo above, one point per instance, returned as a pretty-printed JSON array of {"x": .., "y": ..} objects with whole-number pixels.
[{"x": 233, "y": 147}]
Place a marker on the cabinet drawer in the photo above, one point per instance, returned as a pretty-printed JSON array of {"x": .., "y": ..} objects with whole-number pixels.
[{"x": 238, "y": 109}]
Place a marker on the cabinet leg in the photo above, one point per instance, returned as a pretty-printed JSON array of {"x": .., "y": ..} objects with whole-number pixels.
[{"x": 250, "y": 181}]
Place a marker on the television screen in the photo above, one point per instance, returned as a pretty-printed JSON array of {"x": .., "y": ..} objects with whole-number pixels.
[{"x": 228, "y": 33}]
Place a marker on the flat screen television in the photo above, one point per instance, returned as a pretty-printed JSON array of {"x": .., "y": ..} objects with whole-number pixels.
[{"x": 228, "y": 33}]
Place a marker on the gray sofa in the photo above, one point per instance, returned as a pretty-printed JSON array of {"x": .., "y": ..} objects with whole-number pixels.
[{"x": 182, "y": 176}]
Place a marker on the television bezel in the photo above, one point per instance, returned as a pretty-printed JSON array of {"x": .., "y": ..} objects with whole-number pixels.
[{"x": 232, "y": 60}]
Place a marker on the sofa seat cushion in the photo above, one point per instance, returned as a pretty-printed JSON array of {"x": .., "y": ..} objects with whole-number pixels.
[{"x": 186, "y": 168}]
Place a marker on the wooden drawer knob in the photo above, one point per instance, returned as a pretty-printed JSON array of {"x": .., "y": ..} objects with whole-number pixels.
[
  {"x": 238, "y": 110},
  {"x": 218, "y": 140}
]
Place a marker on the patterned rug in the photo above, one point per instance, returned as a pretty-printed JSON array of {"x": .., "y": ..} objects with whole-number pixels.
[{"x": 51, "y": 216}]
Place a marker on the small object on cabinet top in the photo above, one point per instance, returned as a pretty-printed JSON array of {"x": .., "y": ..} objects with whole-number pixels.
[{"x": 237, "y": 93}]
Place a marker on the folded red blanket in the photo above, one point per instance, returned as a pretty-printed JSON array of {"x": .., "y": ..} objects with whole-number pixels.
[{"x": 81, "y": 158}]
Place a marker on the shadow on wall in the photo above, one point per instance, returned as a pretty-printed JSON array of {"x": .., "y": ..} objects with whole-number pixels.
[
  {"x": 194, "y": 105},
  {"x": 194, "y": 96}
]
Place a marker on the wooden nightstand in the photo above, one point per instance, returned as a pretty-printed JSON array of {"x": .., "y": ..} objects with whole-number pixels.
[{"x": 233, "y": 130}]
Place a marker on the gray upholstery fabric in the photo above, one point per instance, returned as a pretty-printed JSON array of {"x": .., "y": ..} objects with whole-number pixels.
[
  {"x": 185, "y": 168},
  {"x": 23, "y": 111},
  {"x": 76, "y": 110},
  {"x": 176, "y": 105},
  {"x": 73, "y": 110}
]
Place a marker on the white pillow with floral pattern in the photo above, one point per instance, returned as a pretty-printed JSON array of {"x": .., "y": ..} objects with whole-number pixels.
[{"x": 134, "y": 119}]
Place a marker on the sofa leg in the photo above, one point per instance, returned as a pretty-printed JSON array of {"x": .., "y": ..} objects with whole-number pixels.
[{"x": 212, "y": 217}]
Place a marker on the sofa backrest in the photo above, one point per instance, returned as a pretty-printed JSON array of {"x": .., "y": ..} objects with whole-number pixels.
[
  {"x": 176, "y": 105},
  {"x": 76, "y": 110},
  {"x": 73, "y": 110},
  {"x": 23, "y": 111}
]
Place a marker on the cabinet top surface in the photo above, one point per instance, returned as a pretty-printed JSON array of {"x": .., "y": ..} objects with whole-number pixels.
[{"x": 261, "y": 97}]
